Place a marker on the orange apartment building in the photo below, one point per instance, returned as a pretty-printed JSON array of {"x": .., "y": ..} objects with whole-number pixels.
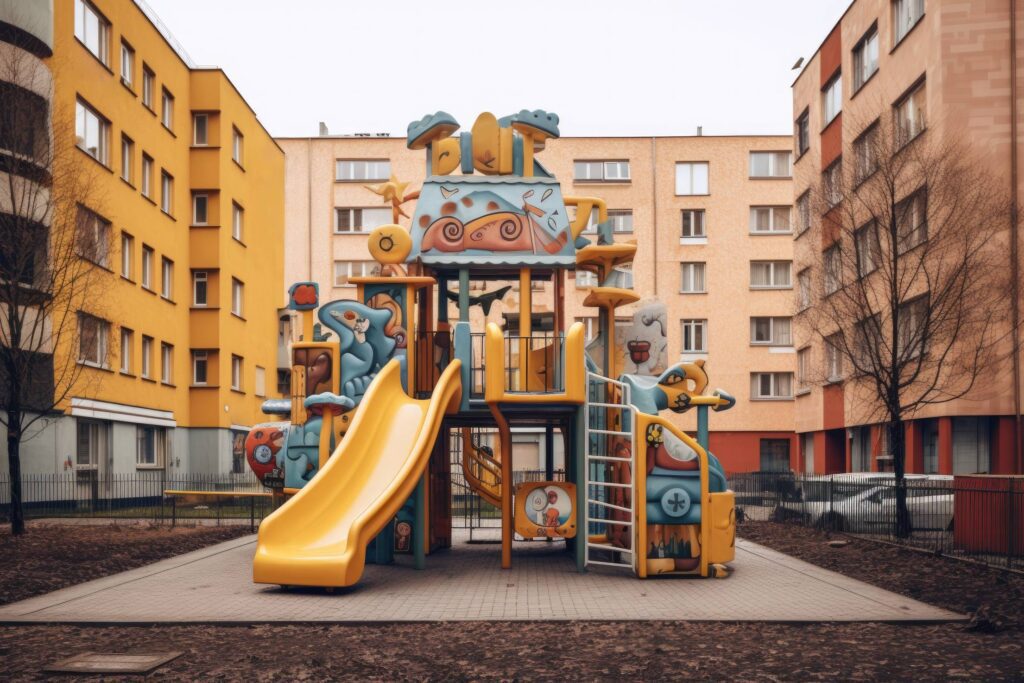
[
  {"x": 950, "y": 68},
  {"x": 712, "y": 217}
]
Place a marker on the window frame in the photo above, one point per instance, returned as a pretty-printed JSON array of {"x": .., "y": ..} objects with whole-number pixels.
[
  {"x": 146, "y": 177},
  {"x": 82, "y": 111},
  {"x": 237, "y": 297},
  {"x": 857, "y": 58},
  {"x": 166, "y": 192},
  {"x": 696, "y": 327},
  {"x": 702, "y": 214},
  {"x": 773, "y": 267},
  {"x": 102, "y": 51},
  {"x": 205, "y": 117},
  {"x": 166, "y": 278},
  {"x": 205, "y": 201},
  {"x": 918, "y": 196},
  {"x": 920, "y": 118},
  {"x": 127, "y": 341},
  {"x": 202, "y": 276},
  {"x": 773, "y": 336},
  {"x": 832, "y": 93},
  {"x": 237, "y": 222},
  {"x": 898, "y": 37},
  {"x": 127, "y": 159},
  {"x": 159, "y": 444},
  {"x": 129, "y": 51},
  {"x": 803, "y": 133},
  {"x": 92, "y": 240},
  {"x": 707, "y": 178},
  {"x": 772, "y": 155},
  {"x": 773, "y": 395},
  {"x": 693, "y": 269},
  {"x": 237, "y": 372},
  {"x": 237, "y": 146},
  {"x": 605, "y": 165},
  {"x": 167, "y": 108},
  {"x": 200, "y": 356},
  {"x": 146, "y": 358},
  {"x": 101, "y": 358},
  {"x": 148, "y": 80},
  {"x": 127, "y": 256},
  {"x": 338, "y": 175},
  {"x": 146, "y": 267},
  {"x": 166, "y": 363},
  {"x": 772, "y": 209}
]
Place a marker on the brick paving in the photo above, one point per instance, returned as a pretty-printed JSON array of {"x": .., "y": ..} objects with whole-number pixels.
[{"x": 214, "y": 585}]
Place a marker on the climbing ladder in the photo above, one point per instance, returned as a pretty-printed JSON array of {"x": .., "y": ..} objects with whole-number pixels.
[{"x": 607, "y": 397}]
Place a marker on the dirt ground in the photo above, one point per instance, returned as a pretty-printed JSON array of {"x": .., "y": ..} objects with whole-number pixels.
[{"x": 49, "y": 557}]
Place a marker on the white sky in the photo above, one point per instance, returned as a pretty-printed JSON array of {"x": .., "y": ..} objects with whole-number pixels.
[{"x": 607, "y": 67}]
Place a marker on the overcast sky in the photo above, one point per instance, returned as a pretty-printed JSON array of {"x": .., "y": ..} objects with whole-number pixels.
[{"x": 607, "y": 67}]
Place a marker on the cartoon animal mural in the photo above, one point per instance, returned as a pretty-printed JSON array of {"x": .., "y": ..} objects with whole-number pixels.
[
  {"x": 678, "y": 389},
  {"x": 643, "y": 344},
  {"x": 368, "y": 338}
]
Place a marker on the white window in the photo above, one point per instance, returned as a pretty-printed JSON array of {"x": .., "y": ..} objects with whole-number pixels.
[
  {"x": 590, "y": 326},
  {"x": 770, "y": 274},
  {"x": 362, "y": 169},
  {"x": 237, "y": 295},
  {"x": 166, "y": 192},
  {"x": 150, "y": 446},
  {"x": 127, "y": 254},
  {"x": 200, "y": 367},
  {"x": 343, "y": 270},
  {"x": 621, "y": 221},
  {"x": 93, "y": 338},
  {"x": 692, "y": 178},
  {"x": 803, "y": 132},
  {"x": 200, "y": 282},
  {"x": 166, "y": 278},
  {"x": 127, "y": 64},
  {"x": 771, "y": 331},
  {"x": 236, "y": 373},
  {"x": 693, "y": 224},
  {"x": 832, "y": 182},
  {"x": 912, "y": 221},
  {"x": 147, "y": 267},
  {"x": 167, "y": 109},
  {"x": 585, "y": 278},
  {"x": 912, "y": 331},
  {"x": 261, "y": 382},
  {"x": 833, "y": 358},
  {"x": 147, "y": 86},
  {"x": 695, "y": 336},
  {"x": 237, "y": 145},
  {"x": 147, "y": 176},
  {"x": 868, "y": 249},
  {"x": 147, "y": 356},
  {"x": 598, "y": 171},
  {"x": 92, "y": 132},
  {"x": 905, "y": 15},
  {"x": 92, "y": 443},
  {"x": 166, "y": 363},
  {"x": 771, "y": 385},
  {"x": 93, "y": 238},
  {"x": 200, "y": 129},
  {"x": 360, "y": 220},
  {"x": 803, "y": 212},
  {"x": 910, "y": 115},
  {"x": 865, "y": 58},
  {"x": 200, "y": 208},
  {"x": 803, "y": 279},
  {"x": 771, "y": 164},
  {"x": 237, "y": 221},
  {"x": 127, "y": 339},
  {"x": 93, "y": 30},
  {"x": 832, "y": 99},
  {"x": 803, "y": 367},
  {"x": 693, "y": 280},
  {"x": 865, "y": 150},
  {"x": 833, "y": 265},
  {"x": 770, "y": 219},
  {"x": 127, "y": 157},
  {"x": 622, "y": 276}
]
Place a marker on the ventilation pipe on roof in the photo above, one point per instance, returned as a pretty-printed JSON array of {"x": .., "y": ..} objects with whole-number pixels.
[
  {"x": 700, "y": 131},
  {"x": 323, "y": 130}
]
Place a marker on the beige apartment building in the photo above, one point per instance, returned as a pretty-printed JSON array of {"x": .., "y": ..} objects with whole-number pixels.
[
  {"x": 712, "y": 219},
  {"x": 941, "y": 70}
]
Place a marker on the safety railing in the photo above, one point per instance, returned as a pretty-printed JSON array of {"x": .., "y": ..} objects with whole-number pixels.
[{"x": 521, "y": 368}]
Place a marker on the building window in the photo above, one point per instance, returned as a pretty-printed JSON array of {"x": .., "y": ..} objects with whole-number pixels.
[
  {"x": 911, "y": 334},
  {"x": 910, "y": 115},
  {"x": 92, "y": 133},
  {"x": 590, "y": 326},
  {"x": 771, "y": 385},
  {"x": 621, "y": 220},
  {"x": 869, "y": 251},
  {"x": 771, "y": 164},
  {"x": 236, "y": 373},
  {"x": 832, "y": 99},
  {"x": 622, "y": 276},
  {"x": 693, "y": 280},
  {"x": 127, "y": 337},
  {"x": 167, "y": 109},
  {"x": 93, "y": 339},
  {"x": 905, "y": 15},
  {"x": 771, "y": 331},
  {"x": 770, "y": 219},
  {"x": 865, "y": 150},
  {"x": 360, "y": 220},
  {"x": 695, "y": 335},
  {"x": 912, "y": 221},
  {"x": 166, "y": 363},
  {"x": 147, "y": 267},
  {"x": 200, "y": 366},
  {"x": 93, "y": 30},
  {"x": 166, "y": 192},
  {"x": 362, "y": 169},
  {"x": 127, "y": 64},
  {"x": 127, "y": 155},
  {"x": 585, "y": 278},
  {"x": 147, "y": 176},
  {"x": 691, "y": 178},
  {"x": 865, "y": 58},
  {"x": 775, "y": 455},
  {"x": 803, "y": 368},
  {"x": 770, "y": 274},
  {"x": 833, "y": 264},
  {"x": 150, "y": 445},
  {"x": 147, "y": 356},
  {"x": 237, "y": 145},
  {"x": 166, "y": 278},
  {"x": 93, "y": 238},
  {"x": 803, "y": 278},
  {"x": 601, "y": 171},
  {"x": 200, "y": 208},
  {"x": 833, "y": 358},
  {"x": 693, "y": 223},
  {"x": 200, "y": 129},
  {"x": 237, "y": 221},
  {"x": 127, "y": 255},
  {"x": 803, "y": 212},
  {"x": 803, "y": 133},
  {"x": 344, "y": 270},
  {"x": 237, "y": 296},
  {"x": 200, "y": 282},
  {"x": 972, "y": 452},
  {"x": 148, "y": 77},
  {"x": 92, "y": 441},
  {"x": 832, "y": 182},
  {"x": 260, "y": 388}
]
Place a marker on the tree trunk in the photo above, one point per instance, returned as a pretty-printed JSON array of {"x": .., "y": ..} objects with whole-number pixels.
[
  {"x": 14, "y": 466},
  {"x": 897, "y": 444}
]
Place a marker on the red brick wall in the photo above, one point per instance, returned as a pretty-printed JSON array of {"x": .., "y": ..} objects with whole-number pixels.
[{"x": 741, "y": 451}]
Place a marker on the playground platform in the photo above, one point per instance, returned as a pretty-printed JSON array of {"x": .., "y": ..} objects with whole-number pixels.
[{"x": 214, "y": 585}]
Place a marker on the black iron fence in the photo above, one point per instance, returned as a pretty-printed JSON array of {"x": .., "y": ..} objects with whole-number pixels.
[
  {"x": 534, "y": 363},
  {"x": 980, "y": 518}
]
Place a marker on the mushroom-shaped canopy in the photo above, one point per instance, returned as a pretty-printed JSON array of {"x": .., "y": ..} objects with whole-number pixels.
[
  {"x": 327, "y": 403},
  {"x": 276, "y": 406},
  {"x": 430, "y": 129},
  {"x": 539, "y": 124}
]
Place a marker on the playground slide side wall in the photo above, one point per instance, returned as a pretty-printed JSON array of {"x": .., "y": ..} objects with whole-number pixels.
[{"x": 319, "y": 536}]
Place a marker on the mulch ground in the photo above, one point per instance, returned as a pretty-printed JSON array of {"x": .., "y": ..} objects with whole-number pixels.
[{"x": 47, "y": 558}]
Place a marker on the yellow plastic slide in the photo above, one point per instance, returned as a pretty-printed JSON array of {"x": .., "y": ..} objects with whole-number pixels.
[{"x": 319, "y": 536}]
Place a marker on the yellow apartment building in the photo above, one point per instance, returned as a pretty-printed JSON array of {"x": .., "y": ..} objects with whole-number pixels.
[
  {"x": 712, "y": 218},
  {"x": 188, "y": 212}
]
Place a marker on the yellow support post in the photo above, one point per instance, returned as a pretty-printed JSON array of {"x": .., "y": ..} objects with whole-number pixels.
[{"x": 525, "y": 330}]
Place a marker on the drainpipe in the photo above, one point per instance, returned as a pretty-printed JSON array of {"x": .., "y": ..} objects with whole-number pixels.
[
  {"x": 1014, "y": 244},
  {"x": 654, "y": 212},
  {"x": 309, "y": 211}
]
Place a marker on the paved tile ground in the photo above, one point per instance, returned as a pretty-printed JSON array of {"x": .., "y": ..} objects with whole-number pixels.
[{"x": 214, "y": 585}]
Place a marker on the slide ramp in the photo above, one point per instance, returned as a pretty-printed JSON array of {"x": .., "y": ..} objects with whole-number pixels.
[{"x": 319, "y": 536}]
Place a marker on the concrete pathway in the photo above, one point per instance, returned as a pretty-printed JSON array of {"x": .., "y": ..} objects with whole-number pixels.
[{"x": 214, "y": 585}]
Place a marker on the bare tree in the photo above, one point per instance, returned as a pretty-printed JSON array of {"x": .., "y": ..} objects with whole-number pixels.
[
  {"x": 909, "y": 300},
  {"x": 52, "y": 254}
]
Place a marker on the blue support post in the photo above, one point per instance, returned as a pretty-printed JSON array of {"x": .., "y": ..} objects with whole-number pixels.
[{"x": 702, "y": 426}]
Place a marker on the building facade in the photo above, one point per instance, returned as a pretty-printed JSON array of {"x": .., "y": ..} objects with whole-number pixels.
[
  {"x": 186, "y": 206},
  {"x": 941, "y": 70},
  {"x": 712, "y": 216}
]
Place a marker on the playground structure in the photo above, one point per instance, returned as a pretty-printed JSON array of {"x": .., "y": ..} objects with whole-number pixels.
[{"x": 363, "y": 444}]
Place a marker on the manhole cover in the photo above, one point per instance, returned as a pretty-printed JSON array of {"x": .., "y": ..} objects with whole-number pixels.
[{"x": 111, "y": 663}]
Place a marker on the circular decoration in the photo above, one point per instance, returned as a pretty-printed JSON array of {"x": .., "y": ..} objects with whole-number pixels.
[
  {"x": 386, "y": 243},
  {"x": 510, "y": 230},
  {"x": 537, "y": 500},
  {"x": 452, "y": 231},
  {"x": 389, "y": 244},
  {"x": 675, "y": 502},
  {"x": 262, "y": 454}
]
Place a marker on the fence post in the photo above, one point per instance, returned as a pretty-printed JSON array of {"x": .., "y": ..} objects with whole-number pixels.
[
  {"x": 174, "y": 511},
  {"x": 252, "y": 513},
  {"x": 1009, "y": 522}
]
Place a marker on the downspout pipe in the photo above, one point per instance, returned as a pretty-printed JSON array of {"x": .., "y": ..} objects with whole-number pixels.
[{"x": 1015, "y": 245}]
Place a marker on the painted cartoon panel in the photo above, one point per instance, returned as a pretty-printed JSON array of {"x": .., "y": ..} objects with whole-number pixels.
[
  {"x": 545, "y": 509},
  {"x": 363, "y": 342}
]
